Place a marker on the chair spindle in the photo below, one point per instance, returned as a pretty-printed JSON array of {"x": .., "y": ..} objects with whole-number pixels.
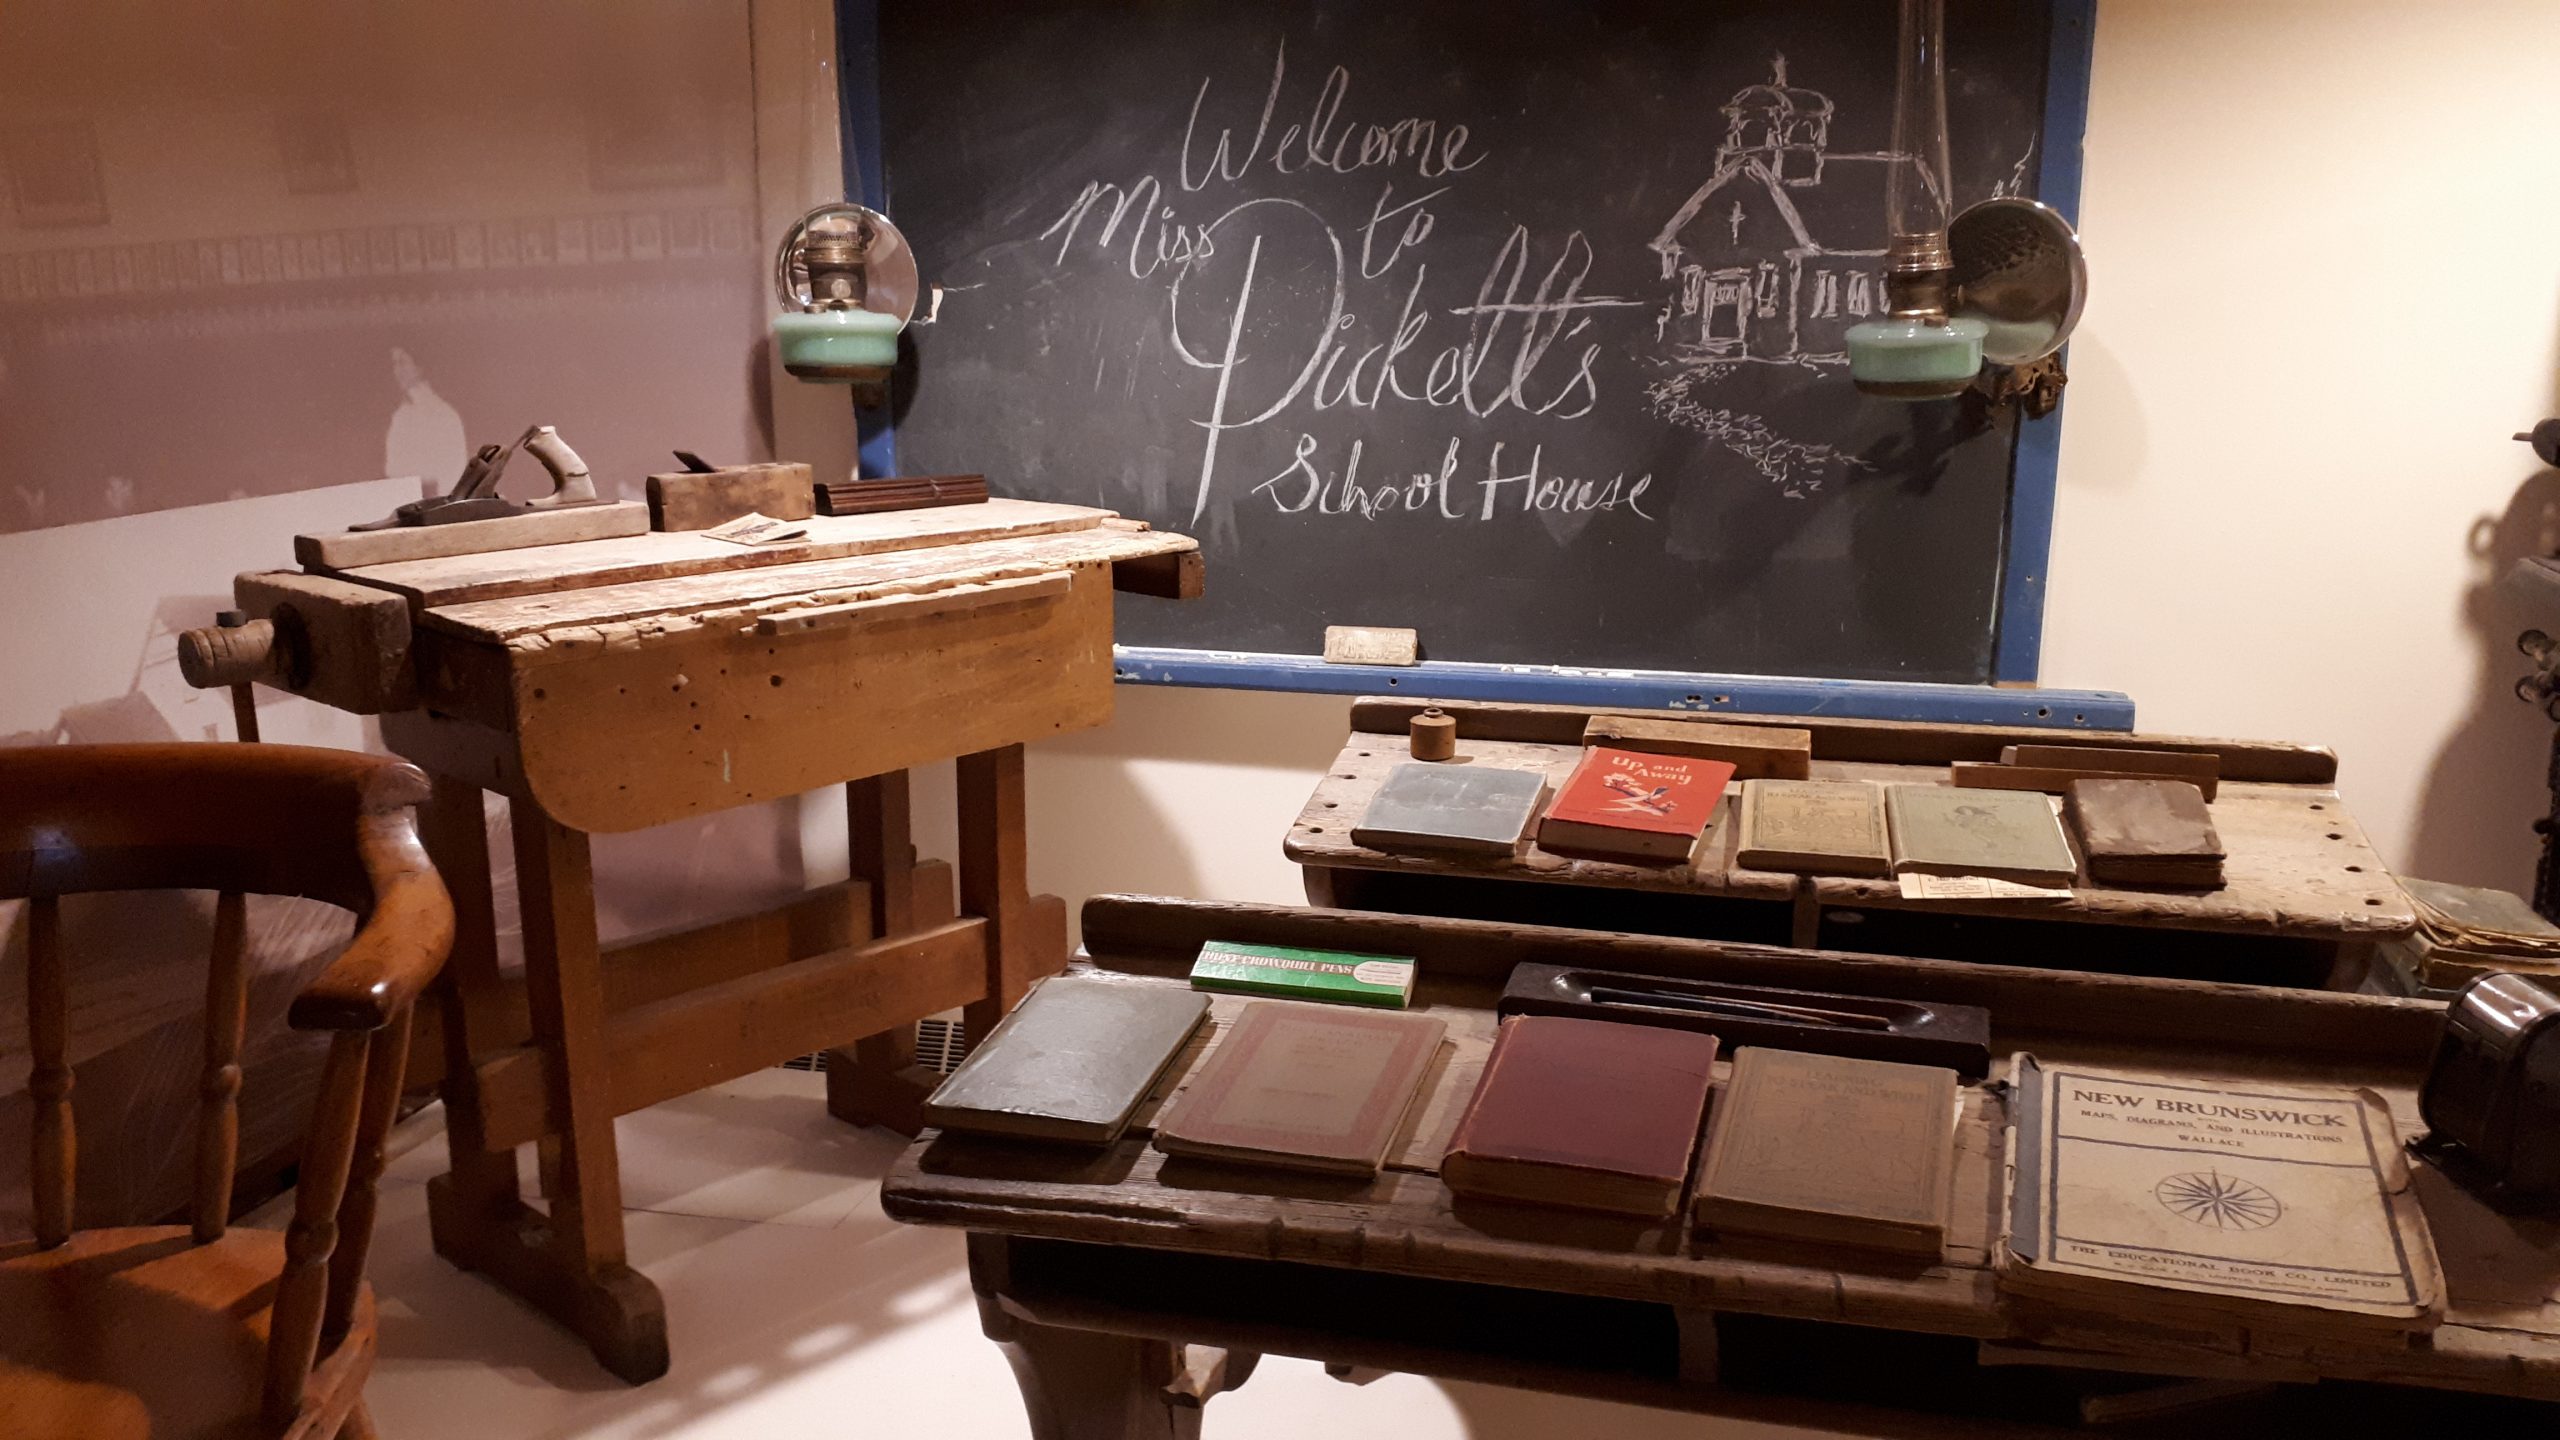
[
  {"x": 48, "y": 1040},
  {"x": 293, "y": 1333},
  {"x": 386, "y": 1066},
  {"x": 226, "y": 1015}
]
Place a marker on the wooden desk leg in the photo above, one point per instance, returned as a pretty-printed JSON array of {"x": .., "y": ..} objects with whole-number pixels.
[
  {"x": 865, "y": 1085},
  {"x": 570, "y": 1264},
  {"x": 1081, "y": 1384},
  {"x": 995, "y": 880}
]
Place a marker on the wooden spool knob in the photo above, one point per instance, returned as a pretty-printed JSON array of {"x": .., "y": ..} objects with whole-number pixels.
[
  {"x": 217, "y": 656},
  {"x": 1432, "y": 735}
]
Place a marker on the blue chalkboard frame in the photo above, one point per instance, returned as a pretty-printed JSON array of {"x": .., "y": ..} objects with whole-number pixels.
[{"x": 2018, "y": 639}]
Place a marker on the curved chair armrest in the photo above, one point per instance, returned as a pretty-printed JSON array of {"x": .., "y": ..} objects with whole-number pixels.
[{"x": 400, "y": 945}]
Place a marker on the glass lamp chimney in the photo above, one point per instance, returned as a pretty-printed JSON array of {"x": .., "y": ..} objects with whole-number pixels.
[
  {"x": 1917, "y": 352},
  {"x": 1915, "y": 197}
]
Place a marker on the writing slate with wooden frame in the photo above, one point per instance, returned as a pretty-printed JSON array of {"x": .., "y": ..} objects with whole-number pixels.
[{"x": 1517, "y": 324}]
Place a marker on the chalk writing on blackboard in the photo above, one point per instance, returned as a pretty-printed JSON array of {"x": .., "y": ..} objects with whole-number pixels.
[
  {"x": 1398, "y": 322},
  {"x": 1515, "y": 339}
]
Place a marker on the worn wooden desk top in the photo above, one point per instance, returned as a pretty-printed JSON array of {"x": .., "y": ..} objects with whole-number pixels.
[
  {"x": 632, "y": 680},
  {"x": 2298, "y": 865},
  {"x": 636, "y": 585},
  {"x": 2502, "y": 1333}
]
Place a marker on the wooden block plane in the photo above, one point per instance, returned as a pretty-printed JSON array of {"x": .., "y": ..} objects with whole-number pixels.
[{"x": 701, "y": 499}]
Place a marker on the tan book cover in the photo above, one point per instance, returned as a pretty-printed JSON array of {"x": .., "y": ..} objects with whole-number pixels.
[
  {"x": 1814, "y": 827},
  {"x": 1305, "y": 1087},
  {"x": 1831, "y": 1149},
  {"x": 2291, "y": 1206}
]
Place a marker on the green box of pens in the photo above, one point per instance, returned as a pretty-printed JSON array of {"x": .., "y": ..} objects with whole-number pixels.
[{"x": 1291, "y": 973}]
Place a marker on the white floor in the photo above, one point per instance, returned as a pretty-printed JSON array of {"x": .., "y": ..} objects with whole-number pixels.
[{"x": 796, "y": 1308}]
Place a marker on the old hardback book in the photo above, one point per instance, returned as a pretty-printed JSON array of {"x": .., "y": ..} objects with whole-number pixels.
[
  {"x": 1585, "y": 1114},
  {"x": 1782, "y": 752},
  {"x": 1468, "y": 809},
  {"x": 2146, "y": 832},
  {"x": 1071, "y": 1063},
  {"x": 1830, "y": 1149},
  {"x": 1305, "y": 1087},
  {"x": 2278, "y": 1205},
  {"x": 1814, "y": 827},
  {"x": 1291, "y": 973},
  {"x": 2464, "y": 932},
  {"x": 2008, "y": 834},
  {"x": 1625, "y": 805}
]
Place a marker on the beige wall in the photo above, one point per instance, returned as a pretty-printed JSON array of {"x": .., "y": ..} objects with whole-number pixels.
[
  {"x": 2325, "y": 241},
  {"x": 273, "y": 247}
]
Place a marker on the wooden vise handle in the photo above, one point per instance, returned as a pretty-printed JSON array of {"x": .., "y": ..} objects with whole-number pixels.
[
  {"x": 977, "y": 595},
  {"x": 218, "y": 655}
]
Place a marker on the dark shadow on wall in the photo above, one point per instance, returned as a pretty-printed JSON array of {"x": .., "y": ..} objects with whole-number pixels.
[
  {"x": 2485, "y": 788},
  {"x": 1099, "y": 827}
]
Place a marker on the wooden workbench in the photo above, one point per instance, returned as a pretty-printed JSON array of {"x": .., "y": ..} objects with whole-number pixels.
[
  {"x": 1095, "y": 1268},
  {"x": 2306, "y": 894},
  {"x": 609, "y": 684}
]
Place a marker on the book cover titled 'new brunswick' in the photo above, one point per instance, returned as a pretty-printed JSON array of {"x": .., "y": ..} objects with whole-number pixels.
[
  {"x": 1626, "y": 805},
  {"x": 2242, "y": 1197}
]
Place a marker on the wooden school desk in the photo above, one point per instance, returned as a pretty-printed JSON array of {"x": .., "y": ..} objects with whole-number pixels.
[
  {"x": 2307, "y": 894},
  {"x": 1127, "y": 1287},
  {"x": 611, "y": 684}
]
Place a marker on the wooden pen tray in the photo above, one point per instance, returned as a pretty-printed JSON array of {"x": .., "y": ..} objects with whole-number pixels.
[{"x": 1914, "y": 1032}]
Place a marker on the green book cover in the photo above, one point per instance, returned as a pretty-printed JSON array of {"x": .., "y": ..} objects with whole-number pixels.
[{"x": 1293, "y": 974}]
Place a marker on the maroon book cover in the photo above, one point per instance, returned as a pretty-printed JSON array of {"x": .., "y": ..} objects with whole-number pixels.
[
  {"x": 1584, "y": 1112},
  {"x": 1318, "y": 1087}
]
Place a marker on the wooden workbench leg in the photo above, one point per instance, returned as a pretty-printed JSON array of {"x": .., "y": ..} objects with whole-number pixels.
[
  {"x": 564, "y": 986},
  {"x": 1081, "y": 1384},
  {"x": 995, "y": 881},
  {"x": 470, "y": 1002},
  {"x": 570, "y": 1263},
  {"x": 866, "y": 1082}
]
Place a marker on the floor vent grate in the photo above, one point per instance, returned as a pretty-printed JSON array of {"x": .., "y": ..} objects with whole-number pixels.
[{"x": 940, "y": 1047}]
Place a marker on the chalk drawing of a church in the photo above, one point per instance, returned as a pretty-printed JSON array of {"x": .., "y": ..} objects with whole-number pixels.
[{"x": 1749, "y": 281}]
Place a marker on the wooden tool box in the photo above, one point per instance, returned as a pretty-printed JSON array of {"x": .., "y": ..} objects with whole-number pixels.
[{"x": 607, "y": 684}]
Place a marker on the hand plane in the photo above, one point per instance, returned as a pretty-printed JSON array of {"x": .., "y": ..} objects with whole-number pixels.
[{"x": 475, "y": 496}]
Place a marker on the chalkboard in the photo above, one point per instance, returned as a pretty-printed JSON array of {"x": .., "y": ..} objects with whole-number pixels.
[{"x": 1519, "y": 324}]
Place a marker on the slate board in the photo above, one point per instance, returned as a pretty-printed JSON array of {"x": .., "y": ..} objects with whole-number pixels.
[{"x": 1611, "y": 246}]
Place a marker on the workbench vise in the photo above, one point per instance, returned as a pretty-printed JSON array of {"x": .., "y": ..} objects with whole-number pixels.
[{"x": 334, "y": 641}]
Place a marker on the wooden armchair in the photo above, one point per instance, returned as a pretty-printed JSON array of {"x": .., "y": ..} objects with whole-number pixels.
[{"x": 204, "y": 1331}]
